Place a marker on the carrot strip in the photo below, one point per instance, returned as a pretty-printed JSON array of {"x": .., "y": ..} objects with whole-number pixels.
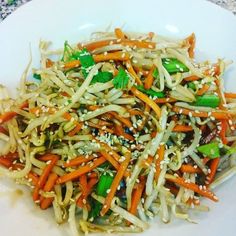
[
  {"x": 192, "y": 186},
  {"x": 11, "y": 114},
  {"x": 138, "y": 44},
  {"x": 133, "y": 73},
  {"x": 190, "y": 169},
  {"x": 11, "y": 155},
  {"x": 33, "y": 177},
  {"x": 134, "y": 112},
  {"x": 213, "y": 167},
  {"x": 3, "y": 130},
  {"x": 110, "y": 159},
  {"x": 46, "y": 202},
  {"x": 82, "y": 199},
  {"x": 182, "y": 128},
  {"x": 192, "y": 78},
  {"x": 159, "y": 159},
  {"x": 147, "y": 162},
  {"x": 165, "y": 100},
  {"x": 216, "y": 115},
  {"x": 91, "y": 124},
  {"x": 230, "y": 95},
  {"x": 191, "y": 201},
  {"x": 120, "y": 132},
  {"x": 115, "y": 184},
  {"x": 49, "y": 63},
  {"x": 123, "y": 120},
  {"x": 119, "y": 33},
  {"x": 214, "y": 71},
  {"x": 203, "y": 90},
  {"x": 78, "y": 161},
  {"x": 149, "y": 80},
  {"x": 116, "y": 56},
  {"x": 44, "y": 176},
  {"x": 147, "y": 100},
  {"x": 5, "y": 162},
  {"x": 82, "y": 170},
  {"x": 83, "y": 182},
  {"x": 191, "y": 40},
  {"x": 136, "y": 196},
  {"x": 141, "y": 71},
  {"x": 223, "y": 131},
  {"x": 76, "y": 129}
]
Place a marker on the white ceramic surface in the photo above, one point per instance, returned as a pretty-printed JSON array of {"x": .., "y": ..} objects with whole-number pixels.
[{"x": 72, "y": 20}]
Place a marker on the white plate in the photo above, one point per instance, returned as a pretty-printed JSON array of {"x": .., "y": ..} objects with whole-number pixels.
[{"x": 72, "y": 20}]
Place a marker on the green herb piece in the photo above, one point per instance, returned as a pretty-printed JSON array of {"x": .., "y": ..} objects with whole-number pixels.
[
  {"x": 102, "y": 77},
  {"x": 207, "y": 101},
  {"x": 192, "y": 86},
  {"x": 86, "y": 61},
  {"x": 155, "y": 73},
  {"x": 121, "y": 80},
  {"x": 103, "y": 185},
  {"x": 173, "y": 65},
  {"x": 150, "y": 92},
  {"x": 37, "y": 76},
  {"x": 210, "y": 150}
]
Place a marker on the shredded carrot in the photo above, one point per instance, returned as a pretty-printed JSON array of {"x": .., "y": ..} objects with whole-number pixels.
[
  {"x": 215, "y": 114},
  {"x": 78, "y": 161},
  {"x": 3, "y": 130},
  {"x": 76, "y": 129},
  {"x": 192, "y": 186},
  {"x": 165, "y": 100},
  {"x": 49, "y": 63},
  {"x": 191, "y": 40},
  {"x": 110, "y": 159},
  {"x": 102, "y": 127},
  {"x": 147, "y": 100},
  {"x": 192, "y": 78},
  {"x": 11, "y": 155},
  {"x": 213, "y": 167},
  {"x": 147, "y": 162},
  {"x": 119, "y": 33},
  {"x": 136, "y": 196},
  {"x": 81, "y": 170},
  {"x": 116, "y": 56},
  {"x": 83, "y": 183},
  {"x": 33, "y": 177},
  {"x": 222, "y": 133},
  {"x": 141, "y": 71},
  {"x": 133, "y": 73},
  {"x": 182, "y": 128},
  {"x": 49, "y": 186},
  {"x": 230, "y": 95},
  {"x": 65, "y": 94},
  {"x": 214, "y": 71},
  {"x": 44, "y": 176},
  {"x": 11, "y": 114},
  {"x": 203, "y": 90},
  {"x": 190, "y": 169},
  {"x": 123, "y": 120},
  {"x": 159, "y": 159},
  {"x": 115, "y": 184},
  {"x": 149, "y": 80},
  {"x": 138, "y": 44},
  {"x": 191, "y": 201},
  {"x": 5, "y": 162},
  {"x": 120, "y": 132},
  {"x": 135, "y": 112},
  {"x": 82, "y": 199}
]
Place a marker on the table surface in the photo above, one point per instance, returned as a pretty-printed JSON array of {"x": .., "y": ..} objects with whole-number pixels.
[{"x": 8, "y": 6}]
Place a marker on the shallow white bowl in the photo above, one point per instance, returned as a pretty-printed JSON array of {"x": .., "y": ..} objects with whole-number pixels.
[{"x": 74, "y": 20}]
